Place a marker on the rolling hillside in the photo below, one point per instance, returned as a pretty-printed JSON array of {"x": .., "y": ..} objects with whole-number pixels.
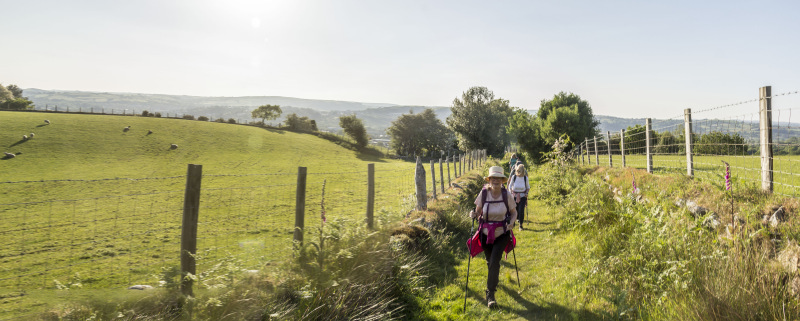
[{"x": 95, "y": 146}]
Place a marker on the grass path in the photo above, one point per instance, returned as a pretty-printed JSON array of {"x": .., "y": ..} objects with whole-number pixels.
[{"x": 549, "y": 262}]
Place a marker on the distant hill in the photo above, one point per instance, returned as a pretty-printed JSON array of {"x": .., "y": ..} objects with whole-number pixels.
[{"x": 376, "y": 116}]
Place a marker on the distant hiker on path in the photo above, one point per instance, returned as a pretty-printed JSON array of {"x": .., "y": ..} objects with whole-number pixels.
[
  {"x": 519, "y": 187},
  {"x": 512, "y": 162},
  {"x": 497, "y": 213}
]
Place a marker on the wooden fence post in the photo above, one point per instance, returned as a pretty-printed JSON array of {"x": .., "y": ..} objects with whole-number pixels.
[
  {"x": 622, "y": 145},
  {"x": 648, "y": 126},
  {"x": 586, "y": 147},
  {"x": 300, "y": 205},
  {"x": 370, "y": 194},
  {"x": 441, "y": 175},
  {"x": 433, "y": 179},
  {"x": 191, "y": 211},
  {"x": 419, "y": 180},
  {"x": 687, "y": 131},
  {"x": 596, "y": 155},
  {"x": 610, "y": 161},
  {"x": 447, "y": 160},
  {"x": 765, "y": 135}
]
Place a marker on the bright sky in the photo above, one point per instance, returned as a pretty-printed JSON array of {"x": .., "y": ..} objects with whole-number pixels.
[{"x": 627, "y": 58}]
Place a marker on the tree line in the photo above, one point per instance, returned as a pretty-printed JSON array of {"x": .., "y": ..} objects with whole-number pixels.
[{"x": 11, "y": 98}]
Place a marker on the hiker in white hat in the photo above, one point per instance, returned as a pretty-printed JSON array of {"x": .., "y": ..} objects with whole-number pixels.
[{"x": 497, "y": 211}]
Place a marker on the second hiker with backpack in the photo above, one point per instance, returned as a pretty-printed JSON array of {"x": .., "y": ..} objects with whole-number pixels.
[
  {"x": 519, "y": 186},
  {"x": 495, "y": 209}
]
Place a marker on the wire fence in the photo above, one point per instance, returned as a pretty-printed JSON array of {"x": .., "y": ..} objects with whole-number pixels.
[
  {"x": 94, "y": 239},
  {"x": 760, "y": 147}
]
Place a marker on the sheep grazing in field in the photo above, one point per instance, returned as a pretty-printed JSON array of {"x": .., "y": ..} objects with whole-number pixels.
[
  {"x": 47, "y": 121},
  {"x": 173, "y": 146},
  {"x": 126, "y": 129},
  {"x": 31, "y": 136},
  {"x": 24, "y": 137},
  {"x": 9, "y": 155}
]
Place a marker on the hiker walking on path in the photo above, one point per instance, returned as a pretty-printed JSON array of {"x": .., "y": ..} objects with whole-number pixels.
[
  {"x": 512, "y": 162},
  {"x": 497, "y": 212},
  {"x": 519, "y": 187}
]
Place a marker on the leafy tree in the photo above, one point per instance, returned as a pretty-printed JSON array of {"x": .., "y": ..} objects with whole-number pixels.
[
  {"x": 479, "y": 120},
  {"x": 231, "y": 121},
  {"x": 5, "y": 94},
  {"x": 17, "y": 104},
  {"x": 419, "y": 133},
  {"x": 202, "y": 118},
  {"x": 267, "y": 112},
  {"x": 354, "y": 128},
  {"x": 11, "y": 98},
  {"x": 635, "y": 140},
  {"x": 298, "y": 123},
  {"x": 567, "y": 114},
  {"x": 525, "y": 127},
  {"x": 718, "y": 143},
  {"x": 16, "y": 91},
  {"x": 669, "y": 143}
]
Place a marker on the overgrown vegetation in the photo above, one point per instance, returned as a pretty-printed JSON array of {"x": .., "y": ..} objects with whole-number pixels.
[{"x": 653, "y": 259}]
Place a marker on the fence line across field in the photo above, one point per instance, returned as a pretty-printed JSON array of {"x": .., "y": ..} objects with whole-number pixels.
[
  {"x": 204, "y": 224},
  {"x": 746, "y": 142}
]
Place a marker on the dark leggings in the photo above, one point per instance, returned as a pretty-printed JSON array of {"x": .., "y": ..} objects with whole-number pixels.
[
  {"x": 493, "y": 254},
  {"x": 521, "y": 209}
]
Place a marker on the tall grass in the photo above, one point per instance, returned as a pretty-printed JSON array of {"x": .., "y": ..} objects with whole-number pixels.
[{"x": 654, "y": 260}]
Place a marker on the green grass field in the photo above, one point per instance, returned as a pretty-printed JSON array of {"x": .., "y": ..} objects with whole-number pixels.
[
  {"x": 86, "y": 204},
  {"x": 744, "y": 169}
]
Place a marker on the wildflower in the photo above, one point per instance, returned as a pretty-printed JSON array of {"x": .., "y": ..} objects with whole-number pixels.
[{"x": 727, "y": 176}]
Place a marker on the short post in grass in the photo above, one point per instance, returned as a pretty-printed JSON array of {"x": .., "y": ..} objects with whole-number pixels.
[
  {"x": 191, "y": 209},
  {"x": 729, "y": 191},
  {"x": 370, "y": 194},
  {"x": 419, "y": 180}
]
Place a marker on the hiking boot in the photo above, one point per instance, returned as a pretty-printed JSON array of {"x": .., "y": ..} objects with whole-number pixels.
[{"x": 490, "y": 301}]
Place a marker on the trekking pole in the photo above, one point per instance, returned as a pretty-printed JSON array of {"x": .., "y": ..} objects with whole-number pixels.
[
  {"x": 469, "y": 260},
  {"x": 515, "y": 266}
]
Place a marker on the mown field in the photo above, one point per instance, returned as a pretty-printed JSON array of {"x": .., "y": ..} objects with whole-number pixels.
[{"x": 87, "y": 205}]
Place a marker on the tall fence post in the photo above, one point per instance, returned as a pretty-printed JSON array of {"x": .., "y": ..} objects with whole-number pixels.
[
  {"x": 300, "y": 205},
  {"x": 622, "y": 146},
  {"x": 419, "y": 180},
  {"x": 191, "y": 211},
  {"x": 610, "y": 161},
  {"x": 433, "y": 179},
  {"x": 441, "y": 175},
  {"x": 687, "y": 132},
  {"x": 648, "y": 126},
  {"x": 447, "y": 160},
  {"x": 370, "y": 194},
  {"x": 596, "y": 155},
  {"x": 765, "y": 133}
]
